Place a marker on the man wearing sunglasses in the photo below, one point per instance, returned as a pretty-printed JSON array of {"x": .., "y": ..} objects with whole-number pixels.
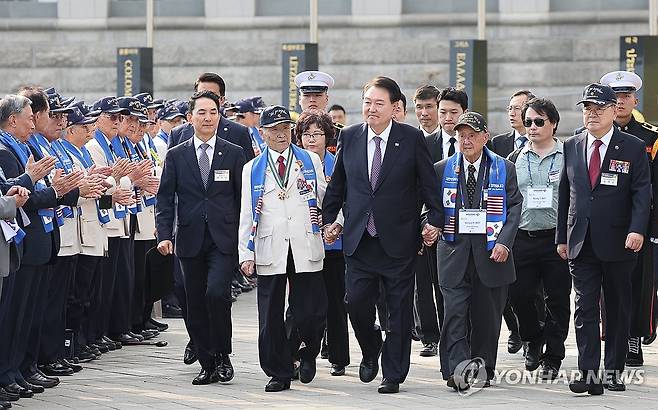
[
  {"x": 603, "y": 214},
  {"x": 626, "y": 84},
  {"x": 539, "y": 270}
]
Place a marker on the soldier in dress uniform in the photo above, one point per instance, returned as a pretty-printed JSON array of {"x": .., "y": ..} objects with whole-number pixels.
[
  {"x": 625, "y": 84},
  {"x": 313, "y": 89}
]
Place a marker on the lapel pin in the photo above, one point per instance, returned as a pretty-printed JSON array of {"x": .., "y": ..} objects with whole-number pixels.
[
  {"x": 397, "y": 144},
  {"x": 225, "y": 128},
  {"x": 616, "y": 146},
  {"x": 219, "y": 153}
]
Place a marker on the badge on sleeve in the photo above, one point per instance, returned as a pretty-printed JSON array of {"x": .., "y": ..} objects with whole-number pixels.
[{"x": 222, "y": 175}]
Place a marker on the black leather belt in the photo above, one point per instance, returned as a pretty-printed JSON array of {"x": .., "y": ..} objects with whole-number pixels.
[{"x": 538, "y": 234}]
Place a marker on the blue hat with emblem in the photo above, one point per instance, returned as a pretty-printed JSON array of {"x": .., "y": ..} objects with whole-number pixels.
[
  {"x": 147, "y": 100},
  {"x": 159, "y": 103},
  {"x": 182, "y": 106},
  {"x": 108, "y": 105},
  {"x": 168, "y": 113},
  {"x": 55, "y": 101},
  {"x": 252, "y": 104},
  {"x": 132, "y": 105},
  {"x": 622, "y": 81},
  {"x": 80, "y": 105},
  {"x": 76, "y": 117},
  {"x": 275, "y": 115},
  {"x": 598, "y": 94},
  {"x": 310, "y": 82}
]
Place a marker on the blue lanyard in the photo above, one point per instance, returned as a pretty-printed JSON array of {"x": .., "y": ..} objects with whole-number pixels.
[{"x": 548, "y": 180}]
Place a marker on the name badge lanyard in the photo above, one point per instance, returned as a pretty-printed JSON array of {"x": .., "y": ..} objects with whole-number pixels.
[
  {"x": 484, "y": 188},
  {"x": 281, "y": 182},
  {"x": 550, "y": 169}
]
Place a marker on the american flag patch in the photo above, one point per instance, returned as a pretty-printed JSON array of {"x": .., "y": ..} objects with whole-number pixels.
[
  {"x": 449, "y": 228},
  {"x": 495, "y": 205}
]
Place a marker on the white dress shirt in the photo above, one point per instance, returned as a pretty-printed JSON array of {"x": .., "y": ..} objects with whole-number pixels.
[
  {"x": 274, "y": 156},
  {"x": 445, "y": 142},
  {"x": 209, "y": 150},
  {"x": 425, "y": 133},
  {"x": 371, "y": 144},
  {"x": 603, "y": 148},
  {"x": 476, "y": 164},
  {"x": 517, "y": 139}
]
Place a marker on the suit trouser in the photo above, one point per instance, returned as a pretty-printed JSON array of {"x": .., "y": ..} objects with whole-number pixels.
[
  {"x": 17, "y": 322},
  {"x": 308, "y": 307},
  {"x": 366, "y": 267},
  {"x": 589, "y": 273},
  {"x": 85, "y": 305},
  {"x": 116, "y": 249},
  {"x": 481, "y": 306},
  {"x": 538, "y": 265},
  {"x": 43, "y": 283},
  {"x": 338, "y": 341},
  {"x": 208, "y": 289},
  {"x": 120, "y": 320},
  {"x": 430, "y": 314},
  {"x": 642, "y": 285},
  {"x": 140, "y": 292},
  {"x": 54, "y": 316}
]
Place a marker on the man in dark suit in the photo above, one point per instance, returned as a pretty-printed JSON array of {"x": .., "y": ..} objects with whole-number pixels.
[
  {"x": 226, "y": 130},
  {"x": 606, "y": 181},
  {"x": 203, "y": 175},
  {"x": 481, "y": 209},
  {"x": 503, "y": 145},
  {"x": 37, "y": 250},
  {"x": 383, "y": 171}
]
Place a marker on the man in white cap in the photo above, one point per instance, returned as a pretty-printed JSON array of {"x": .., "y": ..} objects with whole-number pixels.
[
  {"x": 625, "y": 85},
  {"x": 314, "y": 89}
]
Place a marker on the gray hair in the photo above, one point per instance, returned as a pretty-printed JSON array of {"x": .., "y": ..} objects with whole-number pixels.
[{"x": 12, "y": 104}]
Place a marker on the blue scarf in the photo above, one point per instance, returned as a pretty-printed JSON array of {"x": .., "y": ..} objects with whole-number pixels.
[
  {"x": 110, "y": 156},
  {"x": 163, "y": 136},
  {"x": 329, "y": 164},
  {"x": 23, "y": 153},
  {"x": 64, "y": 162},
  {"x": 258, "y": 187},
  {"x": 495, "y": 197},
  {"x": 257, "y": 141},
  {"x": 83, "y": 155},
  {"x": 144, "y": 148}
]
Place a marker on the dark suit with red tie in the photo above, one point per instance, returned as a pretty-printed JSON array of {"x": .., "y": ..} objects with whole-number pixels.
[
  {"x": 405, "y": 179},
  {"x": 594, "y": 221}
]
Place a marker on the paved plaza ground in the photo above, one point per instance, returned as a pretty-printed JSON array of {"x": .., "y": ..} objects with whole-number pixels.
[{"x": 150, "y": 377}]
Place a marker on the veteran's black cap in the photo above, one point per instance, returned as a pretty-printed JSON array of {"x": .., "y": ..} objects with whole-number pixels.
[
  {"x": 77, "y": 117},
  {"x": 598, "y": 94},
  {"x": 274, "y": 115},
  {"x": 108, "y": 105},
  {"x": 472, "y": 119}
]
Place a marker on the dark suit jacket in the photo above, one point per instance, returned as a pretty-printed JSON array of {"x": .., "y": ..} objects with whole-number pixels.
[
  {"x": 614, "y": 210},
  {"x": 503, "y": 144},
  {"x": 453, "y": 256},
  {"x": 230, "y": 131},
  {"x": 406, "y": 179},
  {"x": 5, "y": 184},
  {"x": 38, "y": 247},
  {"x": 435, "y": 146},
  {"x": 218, "y": 206}
]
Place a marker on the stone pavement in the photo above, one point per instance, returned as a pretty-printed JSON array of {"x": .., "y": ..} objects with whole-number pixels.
[{"x": 146, "y": 377}]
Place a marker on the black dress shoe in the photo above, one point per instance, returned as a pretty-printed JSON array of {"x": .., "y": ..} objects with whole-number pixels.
[
  {"x": 189, "y": 356},
  {"x": 224, "y": 369},
  {"x": 95, "y": 350},
  {"x": 514, "y": 342},
  {"x": 549, "y": 371},
  {"x": 4, "y": 405},
  {"x": 106, "y": 345},
  {"x": 102, "y": 347},
  {"x": 337, "y": 370},
  {"x": 452, "y": 384},
  {"x": 149, "y": 334},
  {"x": 369, "y": 366},
  {"x": 126, "y": 339},
  {"x": 85, "y": 355},
  {"x": 29, "y": 386},
  {"x": 205, "y": 377},
  {"x": 117, "y": 345},
  {"x": 581, "y": 386},
  {"x": 56, "y": 369},
  {"x": 136, "y": 336},
  {"x": 388, "y": 387},
  {"x": 533, "y": 355},
  {"x": 75, "y": 367},
  {"x": 6, "y": 396},
  {"x": 276, "y": 385},
  {"x": 430, "y": 350},
  {"x": 21, "y": 391},
  {"x": 306, "y": 370},
  {"x": 152, "y": 324},
  {"x": 172, "y": 311},
  {"x": 39, "y": 379},
  {"x": 614, "y": 383}
]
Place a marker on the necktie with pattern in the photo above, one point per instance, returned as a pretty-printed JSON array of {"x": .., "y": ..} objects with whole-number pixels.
[
  {"x": 374, "y": 176},
  {"x": 470, "y": 184},
  {"x": 204, "y": 164}
]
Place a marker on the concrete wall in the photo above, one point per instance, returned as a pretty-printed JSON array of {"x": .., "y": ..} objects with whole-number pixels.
[{"x": 553, "y": 54}]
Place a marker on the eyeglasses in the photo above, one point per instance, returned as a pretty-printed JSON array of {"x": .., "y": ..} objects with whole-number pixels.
[
  {"x": 595, "y": 109},
  {"x": 113, "y": 117},
  {"x": 538, "y": 122},
  {"x": 315, "y": 135}
]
